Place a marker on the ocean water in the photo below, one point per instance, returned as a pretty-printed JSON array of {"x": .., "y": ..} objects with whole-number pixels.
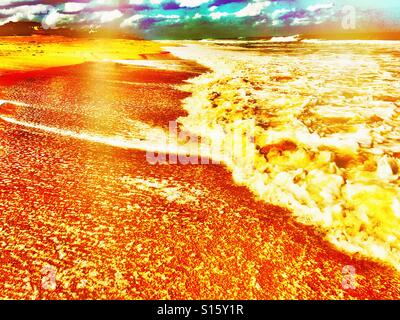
[{"x": 325, "y": 122}]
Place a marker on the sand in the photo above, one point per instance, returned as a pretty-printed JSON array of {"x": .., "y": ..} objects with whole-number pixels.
[
  {"x": 35, "y": 52},
  {"x": 109, "y": 225}
]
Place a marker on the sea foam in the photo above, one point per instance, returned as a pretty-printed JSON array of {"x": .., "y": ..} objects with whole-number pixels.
[{"x": 326, "y": 135}]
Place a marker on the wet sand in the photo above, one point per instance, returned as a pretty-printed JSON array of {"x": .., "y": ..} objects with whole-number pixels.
[{"x": 112, "y": 226}]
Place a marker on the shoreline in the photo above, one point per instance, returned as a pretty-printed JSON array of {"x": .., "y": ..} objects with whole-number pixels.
[
  {"x": 306, "y": 171},
  {"x": 115, "y": 227}
]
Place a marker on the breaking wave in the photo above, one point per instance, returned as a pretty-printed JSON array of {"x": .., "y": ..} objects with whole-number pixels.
[
  {"x": 294, "y": 38},
  {"x": 326, "y": 136}
]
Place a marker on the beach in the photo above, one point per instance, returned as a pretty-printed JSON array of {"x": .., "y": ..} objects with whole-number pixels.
[{"x": 85, "y": 216}]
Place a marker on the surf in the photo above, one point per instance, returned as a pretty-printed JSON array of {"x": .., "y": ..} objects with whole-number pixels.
[
  {"x": 161, "y": 146},
  {"x": 335, "y": 167}
]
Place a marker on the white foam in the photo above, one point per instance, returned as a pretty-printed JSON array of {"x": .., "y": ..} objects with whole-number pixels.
[
  {"x": 155, "y": 140},
  {"x": 174, "y": 65},
  {"x": 16, "y": 103},
  {"x": 294, "y": 38},
  {"x": 341, "y": 110}
]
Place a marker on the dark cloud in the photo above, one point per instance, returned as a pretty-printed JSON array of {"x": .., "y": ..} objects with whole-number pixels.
[
  {"x": 218, "y": 3},
  {"x": 148, "y": 22},
  {"x": 172, "y": 5},
  {"x": 294, "y": 14}
]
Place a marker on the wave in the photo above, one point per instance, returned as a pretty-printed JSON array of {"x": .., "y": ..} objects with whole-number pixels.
[
  {"x": 173, "y": 65},
  {"x": 144, "y": 137},
  {"x": 11, "y": 102},
  {"x": 295, "y": 38},
  {"x": 327, "y": 132},
  {"x": 368, "y": 42}
]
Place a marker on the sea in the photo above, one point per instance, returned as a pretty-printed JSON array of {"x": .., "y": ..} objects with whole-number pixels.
[{"x": 324, "y": 123}]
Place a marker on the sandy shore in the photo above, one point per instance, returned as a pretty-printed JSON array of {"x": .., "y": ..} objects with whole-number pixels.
[
  {"x": 111, "y": 226},
  {"x": 35, "y": 52}
]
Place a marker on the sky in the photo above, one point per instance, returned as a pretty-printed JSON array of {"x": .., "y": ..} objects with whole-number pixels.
[{"x": 177, "y": 19}]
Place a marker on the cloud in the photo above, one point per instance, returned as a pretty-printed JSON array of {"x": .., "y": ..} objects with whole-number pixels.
[
  {"x": 191, "y": 3},
  {"x": 132, "y": 21},
  {"x": 222, "y": 2},
  {"x": 320, "y": 6},
  {"x": 163, "y": 18},
  {"x": 170, "y": 5},
  {"x": 23, "y": 13},
  {"x": 54, "y": 18},
  {"x": 107, "y": 16},
  {"x": 218, "y": 15},
  {"x": 74, "y": 7},
  {"x": 312, "y": 15},
  {"x": 147, "y": 23},
  {"x": 253, "y": 9}
]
